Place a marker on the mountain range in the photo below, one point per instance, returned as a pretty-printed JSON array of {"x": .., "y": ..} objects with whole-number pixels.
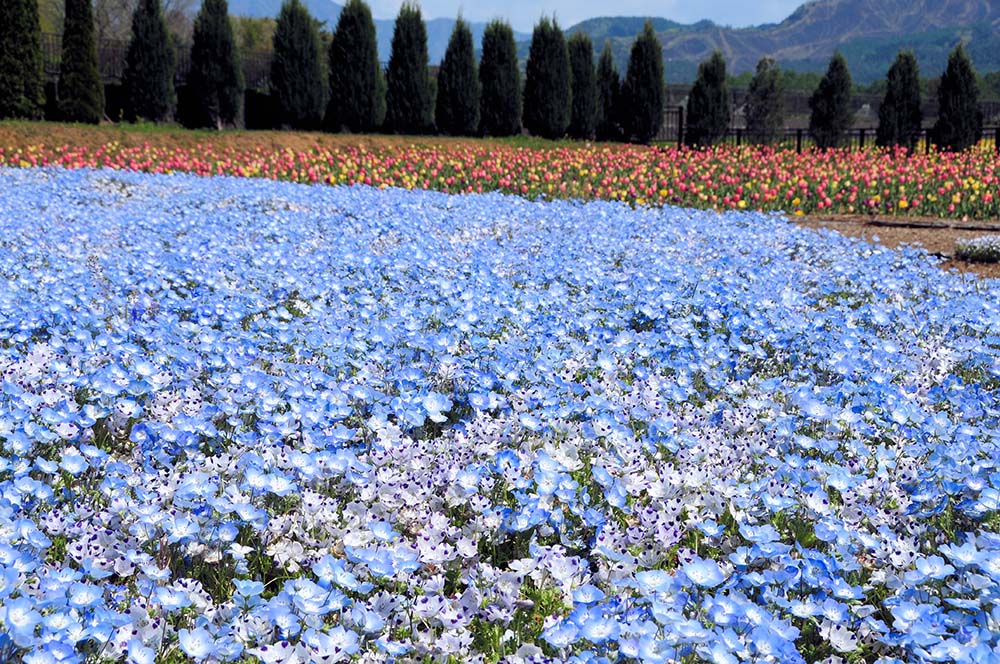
[{"x": 868, "y": 32}]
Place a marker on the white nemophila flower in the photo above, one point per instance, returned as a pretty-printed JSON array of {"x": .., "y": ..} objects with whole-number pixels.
[{"x": 197, "y": 643}]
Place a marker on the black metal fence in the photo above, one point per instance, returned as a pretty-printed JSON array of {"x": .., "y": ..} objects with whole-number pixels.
[{"x": 673, "y": 130}]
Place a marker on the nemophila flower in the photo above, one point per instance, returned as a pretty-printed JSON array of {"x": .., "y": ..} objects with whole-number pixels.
[
  {"x": 561, "y": 634},
  {"x": 137, "y": 653},
  {"x": 367, "y": 420},
  {"x": 436, "y": 406},
  {"x": 197, "y": 643},
  {"x": 20, "y": 619},
  {"x": 704, "y": 573}
]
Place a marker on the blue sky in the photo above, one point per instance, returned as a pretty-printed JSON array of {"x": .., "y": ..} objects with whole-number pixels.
[{"x": 523, "y": 13}]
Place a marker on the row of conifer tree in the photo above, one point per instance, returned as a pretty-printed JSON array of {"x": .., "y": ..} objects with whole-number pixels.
[
  {"x": 562, "y": 94},
  {"x": 900, "y": 119}
]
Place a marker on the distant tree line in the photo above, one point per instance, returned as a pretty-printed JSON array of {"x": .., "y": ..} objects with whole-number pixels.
[
  {"x": 958, "y": 126},
  {"x": 338, "y": 84}
]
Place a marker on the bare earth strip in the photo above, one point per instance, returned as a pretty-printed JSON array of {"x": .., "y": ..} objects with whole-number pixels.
[{"x": 937, "y": 236}]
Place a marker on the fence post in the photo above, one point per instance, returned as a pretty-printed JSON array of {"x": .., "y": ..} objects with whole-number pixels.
[
  {"x": 927, "y": 141},
  {"x": 996, "y": 140},
  {"x": 861, "y": 139},
  {"x": 680, "y": 126},
  {"x": 739, "y": 137},
  {"x": 798, "y": 141}
]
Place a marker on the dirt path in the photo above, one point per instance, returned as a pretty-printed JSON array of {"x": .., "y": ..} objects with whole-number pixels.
[{"x": 937, "y": 236}]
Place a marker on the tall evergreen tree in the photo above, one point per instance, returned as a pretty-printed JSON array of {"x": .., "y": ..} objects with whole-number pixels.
[
  {"x": 960, "y": 120},
  {"x": 297, "y": 84},
  {"x": 583, "y": 115},
  {"x": 899, "y": 116},
  {"x": 765, "y": 108},
  {"x": 547, "y": 86},
  {"x": 500, "y": 82},
  {"x": 215, "y": 73},
  {"x": 148, "y": 79},
  {"x": 643, "y": 92},
  {"x": 81, "y": 90},
  {"x": 709, "y": 104},
  {"x": 357, "y": 85},
  {"x": 457, "y": 111},
  {"x": 409, "y": 98},
  {"x": 830, "y": 105},
  {"x": 22, "y": 82},
  {"x": 608, "y": 122}
]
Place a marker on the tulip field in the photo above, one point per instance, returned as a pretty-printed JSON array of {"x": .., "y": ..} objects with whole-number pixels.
[
  {"x": 246, "y": 421},
  {"x": 868, "y": 182}
]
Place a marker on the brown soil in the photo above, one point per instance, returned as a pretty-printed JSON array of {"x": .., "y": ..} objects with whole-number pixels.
[{"x": 938, "y": 239}]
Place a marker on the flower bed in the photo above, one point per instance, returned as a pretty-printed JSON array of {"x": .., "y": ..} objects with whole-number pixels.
[
  {"x": 984, "y": 249},
  {"x": 876, "y": 182},
  {"x": 253, "y": 420}
]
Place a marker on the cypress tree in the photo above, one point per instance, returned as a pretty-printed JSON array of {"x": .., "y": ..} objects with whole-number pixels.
[
  {"x": 608, "y": 125},
  {"x": 297, "y": 85},
  {"x": 22, "y": 81},
  {"x": 547, "y": 91},
  {"x": 583, "y": 116},
  {"x": 81, "y": 91},
  {"x": 500, "y": 82},
  {"x": 643, "y": 91},
  {"x": 830, "y": 105},
  {"x": 148, "y": 79},
  {"x": 457, "y": 111},
  {"x": 357, "y": 86},
  {"x": 409, "y": 100},
  {"x": 960, "y": 121},
  {"x": 215, "y": 73},
  {"x": 899, "y": 116},
  {"x": 709, "y": 103},
  {"x": 765, "y": 108}
]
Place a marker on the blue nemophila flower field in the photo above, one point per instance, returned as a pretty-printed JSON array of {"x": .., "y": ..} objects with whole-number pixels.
[{"x": 244, "y": 420}]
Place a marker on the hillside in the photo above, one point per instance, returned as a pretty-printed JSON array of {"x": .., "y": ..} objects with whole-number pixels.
[{"x": 869, "y": 32}]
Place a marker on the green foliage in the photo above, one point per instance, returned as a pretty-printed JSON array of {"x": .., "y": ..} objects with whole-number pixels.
[
  {"x": 253, "y": 35},
  {"x": 357, "y": 85},
  {"x": 643, "y": 92},
  {"x": 831, "y": 116},
  {"x": 547, "y": 86},
  {"x": 990, "y": 86},
  {"x": 899, "y": 116},
  {"x": 297, "y": 84},
  {"x": 960, "y": 121},
  {"x": 583, "y": 113},
  {"x": 457, "y": 111},
  {"x": 22, "y": 83},
  {"x": 81, "y": 91},
  {"x": 149, "y": 66},
  {"x": 608, "y": 112},
  {"x": 215, "y": 73},
  {"x": 500, "y": 82},
  {"x": 765, "y": 108},
  {"x": 409, "y": 96},
  {"x": 709, "y": 104}
]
